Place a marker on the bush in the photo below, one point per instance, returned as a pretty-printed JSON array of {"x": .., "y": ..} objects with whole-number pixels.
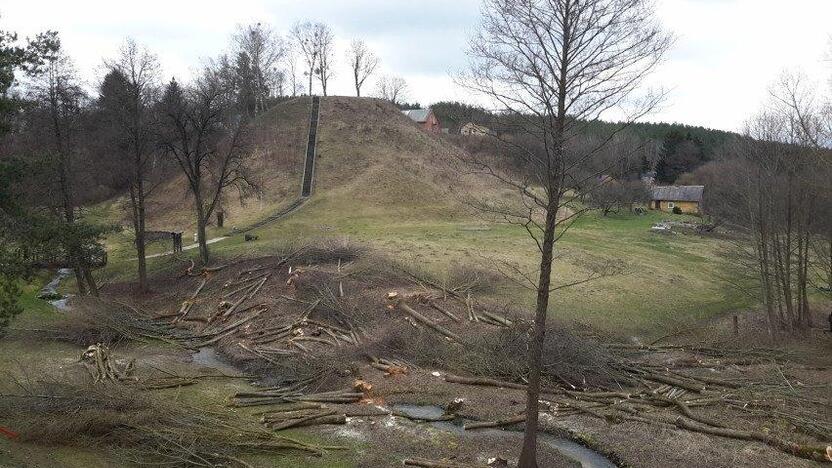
[
  {"x": 9, "y": 305},
  {"x": 677, "y": 210},
  {"x": 502, "y": 354}
]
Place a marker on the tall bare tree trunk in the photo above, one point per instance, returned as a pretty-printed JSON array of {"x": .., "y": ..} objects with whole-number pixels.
[
  {"x": 137, "y": 199},
  {"x": 91, "y": 282},
  {"x": 201, "y": 222},
  {"x": 528, "y": 455}
]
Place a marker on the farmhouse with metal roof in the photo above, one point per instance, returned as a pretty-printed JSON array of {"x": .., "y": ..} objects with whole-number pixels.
[{"x": 425, "y": 118}]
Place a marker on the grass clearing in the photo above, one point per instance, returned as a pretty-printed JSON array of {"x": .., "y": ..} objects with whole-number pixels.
[{"x": 381, "y": 181}]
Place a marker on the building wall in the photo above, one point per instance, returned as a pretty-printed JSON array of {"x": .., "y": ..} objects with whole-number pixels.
[
  {"x": 432, "y": 124},
  {"x": 687, "y": 207}
]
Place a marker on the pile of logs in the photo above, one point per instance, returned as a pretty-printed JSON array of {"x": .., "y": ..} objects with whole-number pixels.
[
  {"x": 641, "y": 406},
  {"x": 476, "y": 314},
  {"x": 290, "y": 395},
  {"x": 312, "y": 415}
]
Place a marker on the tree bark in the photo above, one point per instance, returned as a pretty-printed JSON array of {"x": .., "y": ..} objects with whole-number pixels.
[
  {"x": 203, "y": 243},
  {"x": 528, "y": 455},
  {"x": 137, "y": 199}
]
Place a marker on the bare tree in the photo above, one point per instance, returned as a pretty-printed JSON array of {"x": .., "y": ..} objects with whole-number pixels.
[
  {"x": 206, "y": 135},
  {"x": 392, "y": 88},
  {"x": 265, "y": 50},
  {"x": 129, "y": 94},
  {"x": 315, "y": 43},
  {"x": 610, "y": 196},
  {"x": 554, "y": 65},
  {"x": 363, "y": 63},
  {"x": 777, "y": 193},
  {"x": 290, "y": 65},
  {"x": 326, "y": 56}
]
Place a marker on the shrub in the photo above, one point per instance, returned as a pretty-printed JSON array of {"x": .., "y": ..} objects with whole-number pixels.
[
  {"x": 677, "y": 210},
  {"x": 9, "y": 305}
]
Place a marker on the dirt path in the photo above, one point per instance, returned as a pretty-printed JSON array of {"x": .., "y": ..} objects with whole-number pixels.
[{"x": 187, "y": 247}]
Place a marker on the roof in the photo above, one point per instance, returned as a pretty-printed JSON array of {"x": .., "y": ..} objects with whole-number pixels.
[
  {"x": 691, "y": 193},
  {"x": 417, "y": 115}
]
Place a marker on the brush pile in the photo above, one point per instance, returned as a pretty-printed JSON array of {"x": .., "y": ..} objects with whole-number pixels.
[{"x": 146, "y": 429}]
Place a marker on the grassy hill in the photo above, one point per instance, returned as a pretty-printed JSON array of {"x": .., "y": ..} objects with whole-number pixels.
[{"x": 382, "y": 181}]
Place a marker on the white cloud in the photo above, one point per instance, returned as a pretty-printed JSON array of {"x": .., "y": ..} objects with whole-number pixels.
[{"x": 727, "y": 53}]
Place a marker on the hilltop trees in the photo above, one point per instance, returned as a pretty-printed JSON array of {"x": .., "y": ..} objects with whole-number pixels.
[
  {"x": 257, "y": 53},
  {"x": 392, "y": 88},
  {"x": 128, "y": 97},
  {"x": 326, "y": 56},
  {"x": 315, "y": 43},
  {"x": 555, "y": 66},
  {"x": 363, "y": 63}
]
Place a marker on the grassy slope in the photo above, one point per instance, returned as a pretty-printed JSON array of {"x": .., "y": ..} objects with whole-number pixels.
[{"x": 381, "y": 180}]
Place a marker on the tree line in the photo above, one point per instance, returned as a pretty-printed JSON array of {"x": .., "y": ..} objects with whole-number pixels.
[
  {"x": 65, "y": 144},
  {"x": 773, "y": 187},
  {"x": 669, "y": 150}
]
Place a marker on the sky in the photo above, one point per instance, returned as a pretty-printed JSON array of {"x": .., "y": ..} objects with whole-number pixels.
[{"x": 726, "y": 56}]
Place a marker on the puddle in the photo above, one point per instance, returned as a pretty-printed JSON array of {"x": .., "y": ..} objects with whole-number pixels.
[
  {"x": 585, "y": 456},
  {"x": 208, "y": 357}
]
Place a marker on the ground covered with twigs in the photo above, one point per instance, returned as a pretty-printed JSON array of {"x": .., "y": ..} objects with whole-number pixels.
[{"x": 336, "y": 339}]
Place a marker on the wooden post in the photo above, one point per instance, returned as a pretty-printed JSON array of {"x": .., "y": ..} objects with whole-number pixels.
[
  {"x": 220, "y": 217},
  {"x": 736, "y": 326}
]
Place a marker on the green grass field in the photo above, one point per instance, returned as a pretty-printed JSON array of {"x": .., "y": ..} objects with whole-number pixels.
[{"x": 381, "y": 182}]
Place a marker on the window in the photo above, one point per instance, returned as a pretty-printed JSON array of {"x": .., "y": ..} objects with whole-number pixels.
[{"x": 670, "y": 205}]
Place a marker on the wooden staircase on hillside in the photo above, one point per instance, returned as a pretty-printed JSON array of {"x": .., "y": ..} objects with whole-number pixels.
[
  {"x": 308, "y": 171},
  {"x": 309, "y": 166}
]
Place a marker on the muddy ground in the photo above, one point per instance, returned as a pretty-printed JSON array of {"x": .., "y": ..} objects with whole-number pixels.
[{"x": 343, "y": 309}]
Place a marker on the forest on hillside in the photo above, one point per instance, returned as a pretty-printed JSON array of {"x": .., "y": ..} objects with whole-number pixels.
[{"x": 669, "y": 149}]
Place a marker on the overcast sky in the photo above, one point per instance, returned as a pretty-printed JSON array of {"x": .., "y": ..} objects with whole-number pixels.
[{"x": 727, "y": 54}]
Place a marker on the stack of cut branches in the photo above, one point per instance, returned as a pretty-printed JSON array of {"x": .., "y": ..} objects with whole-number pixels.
[
  {"x": 476, "y": 311},
  {"x": 147, "y": 430},
  {"x": 292, "y": 395},
  {"x": 282, "y": 418},
  {"x": 681, "y": 393}
]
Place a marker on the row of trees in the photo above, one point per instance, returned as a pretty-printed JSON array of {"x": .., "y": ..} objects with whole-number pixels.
[
  {"x": 773, "y": 186},
  {"x": 64, "y": 147},
  {"x": 38, "y": 219},
  {"x": 271, "y": 65}
]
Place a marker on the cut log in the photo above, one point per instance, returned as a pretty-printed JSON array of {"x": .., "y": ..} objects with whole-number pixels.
[
  {"x": 436, "y": 463},
  {"x": 428, "y": 322},
  {"x": 684, "y": 409},
  {"x": 816, "y": 453},
  {"x": 482, "y": 381},
  {"x": 674, "y": 382},
  {"x": 444, "y": 417},
  {"x": 326, "y": 417},
  {"x": 498, "y": 423},
  {"x": 444, "y": 311}
]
